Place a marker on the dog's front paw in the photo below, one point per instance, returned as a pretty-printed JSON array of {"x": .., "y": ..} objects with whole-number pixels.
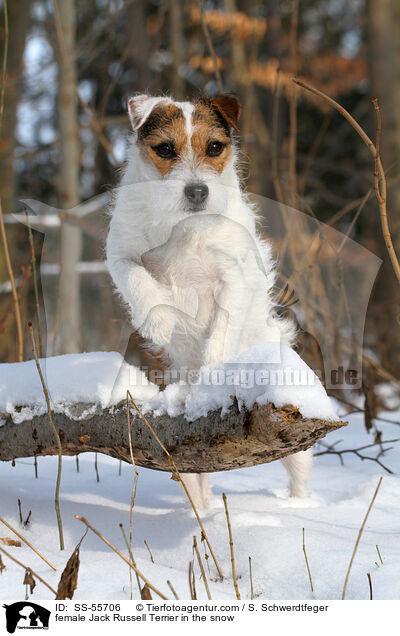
[{"x": 159, "y": 324}]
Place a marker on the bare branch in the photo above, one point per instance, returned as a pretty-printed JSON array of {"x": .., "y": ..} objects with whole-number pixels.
[
  {"x": 380, "y": 179},
  {"x": 207, "y": 444},
  {"x": 210, "y": 46},
  {"x": 357, "y": 451}
]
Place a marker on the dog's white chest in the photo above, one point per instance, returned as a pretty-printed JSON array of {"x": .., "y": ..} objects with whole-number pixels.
[
  {"x": 185, "y": 260},
  {"x": 186, "y": 265}
]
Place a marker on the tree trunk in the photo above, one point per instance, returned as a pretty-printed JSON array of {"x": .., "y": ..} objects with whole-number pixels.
[
  {"x": 384, "y": 62},
  {"x": 18, "y": 20},
  {"x": 208, "y": 444},
  {"x": 71, "y": 236}
]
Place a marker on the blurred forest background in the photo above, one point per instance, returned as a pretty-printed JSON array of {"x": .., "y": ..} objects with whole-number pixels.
[{"x": 70, "y": 68}]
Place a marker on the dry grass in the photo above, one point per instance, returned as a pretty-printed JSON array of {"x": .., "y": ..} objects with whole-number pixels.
[
  {"x": 359, "y": 537},
  {"x": 9, "y": 526}
]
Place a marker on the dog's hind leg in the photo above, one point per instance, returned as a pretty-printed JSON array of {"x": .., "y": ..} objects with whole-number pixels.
[
  {"x": 299, "y": 467},
  {"x": 198, "y": 487}
]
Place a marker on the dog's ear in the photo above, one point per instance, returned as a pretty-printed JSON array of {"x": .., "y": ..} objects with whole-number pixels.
[
  {"x": 140, "y": 107},
  {"x": 228, "y": 106}
]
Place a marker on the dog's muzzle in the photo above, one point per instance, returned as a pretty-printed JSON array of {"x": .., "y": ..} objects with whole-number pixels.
[{"x": 196, "y": 194}]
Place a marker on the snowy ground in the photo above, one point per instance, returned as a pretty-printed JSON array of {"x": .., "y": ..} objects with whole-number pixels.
[{"x": 266, "y": 526}]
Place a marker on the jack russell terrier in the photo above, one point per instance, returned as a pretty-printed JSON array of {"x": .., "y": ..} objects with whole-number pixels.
[{"x": 183, "y": 249}]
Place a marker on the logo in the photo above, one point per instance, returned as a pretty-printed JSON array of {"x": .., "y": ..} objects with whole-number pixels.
[{"x": 26, "y": 615}]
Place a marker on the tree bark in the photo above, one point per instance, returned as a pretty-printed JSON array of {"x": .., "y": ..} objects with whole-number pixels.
[
  {"x": 71, "y": 237},
  {"x": 208, "y": 444},
  {"x": 18, "y": 22},
  {"x": 384, "y": 63},
  {"x": 18, "y": 19}
]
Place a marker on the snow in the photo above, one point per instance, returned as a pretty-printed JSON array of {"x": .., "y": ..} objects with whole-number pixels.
[
  {"x": 285, "y": 380},
  {"x": 89, "y": 378},
  {"x": 270, "y": 372},
  {"x": 388, "y": 393},
  {"x": 266, "y": 525}
]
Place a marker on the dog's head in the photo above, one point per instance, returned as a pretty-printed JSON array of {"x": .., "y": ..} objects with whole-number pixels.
[{"x": 190, "y": 145}]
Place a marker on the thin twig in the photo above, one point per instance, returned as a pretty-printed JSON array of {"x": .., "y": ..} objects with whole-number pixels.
[
  {"x": 380, "y": 369},
  {"x": 134, "y": 481},
  {"x": 172, "y": 590},
  {"x": 57, "y": 314},
  {"x": 312, "y": 154},
  {"x": 176, "y": 472},
  {"x": 356, "y": 202},
  {"x": 275, "y": 124},
  {"x": 115, "y": 77},
  {"x": 206, "y": 556},
  {"x": 151, "y": 556},
  {"x": 356, "y": 451},
  {"x": 27, "y": 542},
  {"x": 379, "y": 554},
  {"x": 351, "y": 450},
  {"x": 251, "y": 580},
  {"x": 26, "y": 522},
  {"x": 231, "y": 546},
  {"x": 347, "y": 208},
  {"x": 28, "y": 568},
  {"x": 210, "y": 46},
  {"x": 26, "y": 272},
  {"x": 35, "y": 285},
  {"x": 377, "y": 148},
  {"x": 354, "y": 221},
  {"x": 370, "y": 586},
  {"x": 380, "y": 179},
  {"x": 58, "y": 482},
  {"x": 132, "y": 498},
  {"x": 308, "y": 567},
  {"x": 192, "y": 583},
  {"x": 203, "y": 574},
  {"x": 380, "y": 191},
  {"x": 356, "y": 409},
  {"x": 96, "y": 468},
  {"x": 359, "y": 537},
  {"x": 110, "y": 545},
  {"x": 13, "y": 287},
  {"x": 129, "y": 548},
  {"x": 5, "y": 56}
]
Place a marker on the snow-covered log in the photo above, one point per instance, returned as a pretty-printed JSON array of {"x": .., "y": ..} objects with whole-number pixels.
[{"x": 210, "y": 443}]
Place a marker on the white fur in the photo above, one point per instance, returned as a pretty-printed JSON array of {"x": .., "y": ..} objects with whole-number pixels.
[{"x": 198, "y": 285}]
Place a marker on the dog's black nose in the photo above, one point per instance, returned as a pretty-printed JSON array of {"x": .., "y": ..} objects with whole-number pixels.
[{"x": 196, "y": 193}]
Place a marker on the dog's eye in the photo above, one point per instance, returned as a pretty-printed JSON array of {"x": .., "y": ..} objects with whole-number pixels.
[
  {"x": 165, "y": 150},
  {"x": 215, "y": 148}
]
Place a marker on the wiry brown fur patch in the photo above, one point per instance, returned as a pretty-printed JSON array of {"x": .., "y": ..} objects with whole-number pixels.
[
  {"x": 165, "y": 124},
  {"x": 209, "y": 127}
]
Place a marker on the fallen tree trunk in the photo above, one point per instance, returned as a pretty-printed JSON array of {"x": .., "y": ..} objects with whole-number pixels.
[{"x": 208, "y": 444}]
